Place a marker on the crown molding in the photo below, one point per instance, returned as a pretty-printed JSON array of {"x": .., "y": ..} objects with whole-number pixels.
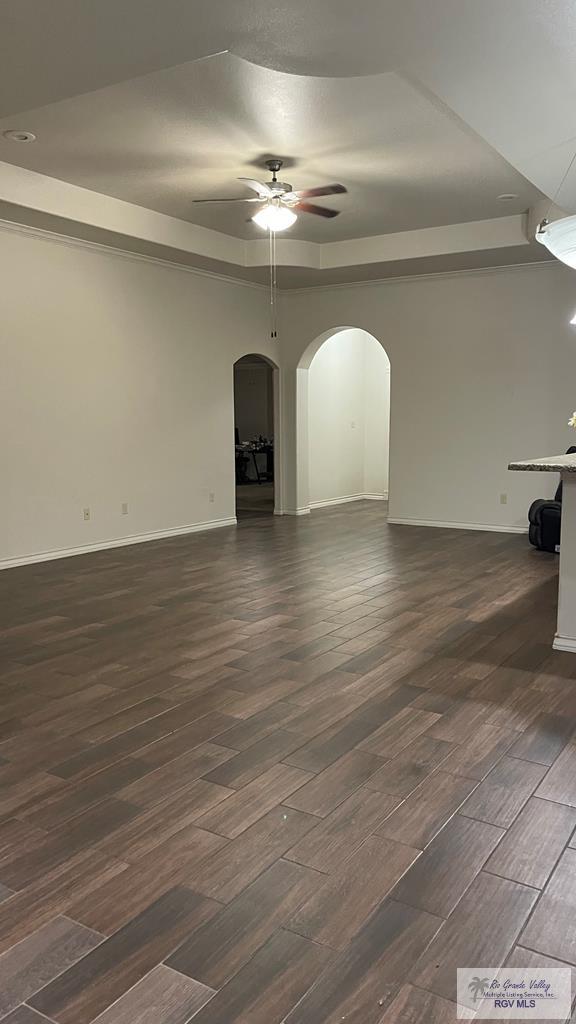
[
  {"x": 63, "y": 202},
  {"x": 406, "y": 278},
  {"x": 83, "y": 243},
  {"x": 112, "y": 250}
]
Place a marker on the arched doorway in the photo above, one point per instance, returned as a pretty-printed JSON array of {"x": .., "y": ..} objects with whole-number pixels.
[
  {"x": 343, "y": 419},
  {"x": 255, "y": 435}
]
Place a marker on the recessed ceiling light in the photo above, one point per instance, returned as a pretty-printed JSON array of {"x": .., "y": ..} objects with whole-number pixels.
[
  {"x": 19, "y": 135},
  {"x": 507, "y": 197}
]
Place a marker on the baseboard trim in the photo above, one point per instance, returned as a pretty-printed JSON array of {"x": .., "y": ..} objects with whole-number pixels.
[
  {"x": 347, "y": 498},
  {"x": 292, "y": 511},
  {"x": 489, "y": 527},
  {"x": 564, "y": 643},
  {"x": 137, "y": 538}
]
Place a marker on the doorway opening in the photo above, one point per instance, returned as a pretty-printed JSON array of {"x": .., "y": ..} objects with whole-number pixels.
[
  {"x": 348, "y": 437},
  {"x": 254, "y": 418}
]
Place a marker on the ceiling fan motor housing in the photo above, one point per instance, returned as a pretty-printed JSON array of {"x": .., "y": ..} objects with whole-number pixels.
[{"x": 278, "y": 187}]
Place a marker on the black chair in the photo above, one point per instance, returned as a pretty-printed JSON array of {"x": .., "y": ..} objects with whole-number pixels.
[{"x": 544, "y": 517}]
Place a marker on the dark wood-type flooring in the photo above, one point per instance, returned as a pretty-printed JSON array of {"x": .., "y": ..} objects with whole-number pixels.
[{"x": 295, "y": 771}]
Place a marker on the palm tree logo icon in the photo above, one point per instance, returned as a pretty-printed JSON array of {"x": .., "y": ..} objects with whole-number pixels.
[{"x": 477, "y": 987}]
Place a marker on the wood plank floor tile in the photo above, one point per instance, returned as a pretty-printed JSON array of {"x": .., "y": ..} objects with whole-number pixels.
[
  {"x": 225, "y": 874},
  {"x": 273, "y": 981},
  {"x": 531, "y": 847},
  {"x": 552, "y": 927},
  {"x": 174, "y": 744},
  {"x": 18, "y": 796},
  {"x": 25, "y": 1015},
  {"x": 51, "y": 895},
  {"x": 412, "y": 766},
  {"x": 522, "y": 957},
  {"x": 427, "y": 809},
  {"x": 35, "y": 961},
  {"x": 161, "y": 997},
  {"x": 118, "y": 898},
  {"x": 256, "y": 759},
  {"x": 544, "y": 740},
  {"x": 143, "y": 711},
  {"x": 560, "y": 782},
  {"x": 81, "y": 833},
  {"x": 448, "y": 866},
  {"x": 57, "y": 807},
  {"x": 5, "y": 893},
  {"x": 530, "y": 961},
  {"x": 340, "y": 906},
  {"x": 330, "y": 745},
  {"x": 235, "y": 814},
  {"x": 415, "y": 1006},
  {"x": 245, "y": 733},
  {"x": 225, "y": 943},
  {"x": 478, "y": 755},
  {"x": 500, "y": 798},
  {"x": 336, "y": 837},
  {"x": 101, "y": 755},
  {"x": 393, "y": 737},
  {"x": 176, "y": 775},
  {"x": 539, "y": 963},
  {"x": 112, "y": 968},
  {"x": 460, "y": 722},
  {"x": 174, "y": 677},
  {"x": 17, "y": 837},
  {"x": 152, "y": 828},
  {"x": 358, "y": 986},
  {"x": 483, "y": 929},
  {"x": 331, "y": 787},
  {"x": 325, "y": 712}
]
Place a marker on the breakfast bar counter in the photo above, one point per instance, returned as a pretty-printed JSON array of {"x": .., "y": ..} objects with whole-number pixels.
[{"x": 565, "y": 638}]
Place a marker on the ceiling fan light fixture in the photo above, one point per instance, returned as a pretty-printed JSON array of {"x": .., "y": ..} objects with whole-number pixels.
[{"x": 273, "y": 217}]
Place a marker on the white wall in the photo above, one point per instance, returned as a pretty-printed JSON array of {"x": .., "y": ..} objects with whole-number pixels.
[
  {"x": 116, "y": 383},
  {"x": 483, "y": 371},
  {"x": 348, "y": 403},
  {"x": 376, "y": 417},
  {"x": 116, "y": 386}
]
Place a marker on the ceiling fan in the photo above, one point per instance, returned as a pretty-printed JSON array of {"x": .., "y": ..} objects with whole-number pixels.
[{"x": 281, "y": 201}]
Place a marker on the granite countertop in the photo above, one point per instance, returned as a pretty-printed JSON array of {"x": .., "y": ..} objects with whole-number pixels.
[{"x": 552, "y": 464}]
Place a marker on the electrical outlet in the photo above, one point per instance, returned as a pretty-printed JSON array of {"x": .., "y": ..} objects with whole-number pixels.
[
  {"x": 353, "y": 425},
  {"x": 503, "y": 499},
  {"x": 211, "y": 497},
  {"x": 86, "y": 514},
  {"x": 124, "y": 508}
]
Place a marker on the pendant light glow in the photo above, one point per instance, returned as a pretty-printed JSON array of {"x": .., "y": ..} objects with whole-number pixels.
[
  {"x": 274, "y": 218},
  {"x": 559, "y": 237}
]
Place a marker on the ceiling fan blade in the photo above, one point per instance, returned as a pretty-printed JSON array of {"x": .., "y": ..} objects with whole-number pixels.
[
  {"x": 263, "y": 190},
  {"x": 322, "y": 190},
  {"x": 320, "y": 211},
  {"x": 226, "y": 200}
]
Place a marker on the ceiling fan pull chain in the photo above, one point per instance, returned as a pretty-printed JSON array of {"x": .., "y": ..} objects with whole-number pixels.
[
  {"x": 271, "y": 284},
  {"x": 275, "y": 286}
]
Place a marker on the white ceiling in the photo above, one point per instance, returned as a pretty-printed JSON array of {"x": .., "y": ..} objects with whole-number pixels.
[
  {"x": 188, "y": 132},
  {"x": 426, "y": 111}
]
